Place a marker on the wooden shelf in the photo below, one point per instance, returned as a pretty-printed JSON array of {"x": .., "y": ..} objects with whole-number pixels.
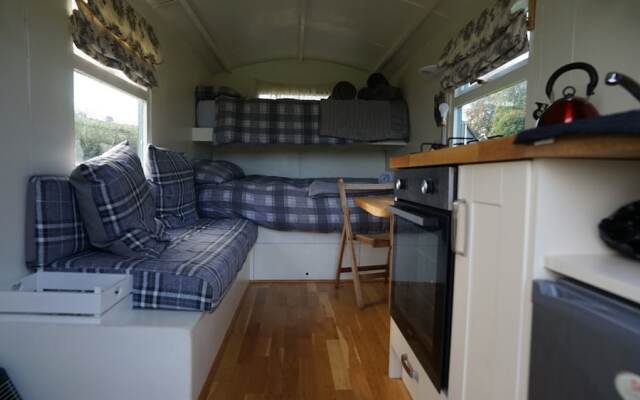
[
  {"x": 611, "y": 273},
  {"x": 503, "y": 149},
  {"x": 205, "y": 135}
]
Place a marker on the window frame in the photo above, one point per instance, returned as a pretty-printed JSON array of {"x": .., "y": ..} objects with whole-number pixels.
[
  {"x": 459, "y": 97},
  {"x": 109, "y": 76}
]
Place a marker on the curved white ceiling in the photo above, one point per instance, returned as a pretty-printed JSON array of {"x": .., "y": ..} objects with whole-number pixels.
[{"x": 360, "y": 33}]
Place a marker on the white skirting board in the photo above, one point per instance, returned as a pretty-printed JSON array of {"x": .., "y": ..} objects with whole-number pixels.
[
  {"x": 304, "y": 256},
  {"x": 131, "y": 354}
]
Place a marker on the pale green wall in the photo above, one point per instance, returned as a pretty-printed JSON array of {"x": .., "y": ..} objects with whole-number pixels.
[{"x": 310, "y": 72}]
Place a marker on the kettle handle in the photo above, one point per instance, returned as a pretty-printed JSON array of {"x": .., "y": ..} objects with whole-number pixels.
[{"x": 588, "y": 68}]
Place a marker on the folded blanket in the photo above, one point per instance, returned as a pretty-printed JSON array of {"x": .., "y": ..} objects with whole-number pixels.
[{"x": 364, "y": 121}]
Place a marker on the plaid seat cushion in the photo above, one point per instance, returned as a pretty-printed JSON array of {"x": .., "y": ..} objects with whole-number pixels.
[
  {"x": 116, "y": 204},
  {"x": 217, "y": 171},
  {"x": 54, "y": 226},
  {"x": 265, "y": 121},
  {"x": 173, "y": 187},
  {"x": 283, "y": 204},
  {"x": 193, "y": 273}
]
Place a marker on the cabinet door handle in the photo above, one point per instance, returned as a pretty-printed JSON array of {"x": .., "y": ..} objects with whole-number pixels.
[
  {"x": 406, "y": 365},
  {"x": 459, "y": 220}
]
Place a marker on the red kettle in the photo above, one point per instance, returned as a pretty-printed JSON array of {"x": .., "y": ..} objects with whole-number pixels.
[{"x": 570, "y": 107}]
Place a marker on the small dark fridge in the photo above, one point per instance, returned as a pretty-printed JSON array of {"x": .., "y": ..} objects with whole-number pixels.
[{"x": 585, "y": 344}]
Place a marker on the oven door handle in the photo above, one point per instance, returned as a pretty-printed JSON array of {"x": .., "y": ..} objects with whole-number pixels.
[
  {"x": 411, "y": 217},
  {"x": 459, "y": 227}
]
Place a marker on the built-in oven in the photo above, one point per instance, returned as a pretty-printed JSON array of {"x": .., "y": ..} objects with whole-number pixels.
[{"x": 422, "y": 277}]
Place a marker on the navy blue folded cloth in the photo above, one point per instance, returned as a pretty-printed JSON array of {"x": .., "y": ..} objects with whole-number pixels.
[{"x": 626, "y": 123}]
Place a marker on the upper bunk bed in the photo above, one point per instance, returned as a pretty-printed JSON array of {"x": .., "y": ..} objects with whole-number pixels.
[{"x": 224, "y": 117}]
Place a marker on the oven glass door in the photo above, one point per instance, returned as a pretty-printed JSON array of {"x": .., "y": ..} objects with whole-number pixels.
[{"x": 421, "y": 286}]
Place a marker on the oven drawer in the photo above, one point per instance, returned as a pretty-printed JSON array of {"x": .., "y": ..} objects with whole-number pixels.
[{"x": 419, "y": 385}]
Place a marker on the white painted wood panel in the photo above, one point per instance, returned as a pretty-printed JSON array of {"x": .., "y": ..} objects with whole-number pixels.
[
  {"x": 130, "y": 354},
  {"x": 490, "y": 283},
  {"x": 304, "y": 255},
  {"x": 419, "y": 386}
]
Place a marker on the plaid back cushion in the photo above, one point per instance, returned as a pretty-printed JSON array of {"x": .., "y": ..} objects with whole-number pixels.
[
  {"x": 7, "y": 390},
  {"x": 117, "y": 205},
  {"x": 54, "y": 225},
  {"x": 219, "y": 171},
  {"x": 173, "y": 185}
]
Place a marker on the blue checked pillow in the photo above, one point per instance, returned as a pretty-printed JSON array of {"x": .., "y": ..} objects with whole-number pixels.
[
  {"x": 7, "y": 390},
  {"x": 219, "y": 171},
  {"x": 173, "y": 187},
  {"x": 54, "y": 225},
  {"x": 117, "y": 206}
]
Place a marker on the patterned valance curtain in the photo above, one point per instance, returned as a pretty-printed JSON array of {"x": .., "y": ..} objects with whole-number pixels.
[
  {"x": 113, "y": 33},
  {"x": 484, "y": 44}
]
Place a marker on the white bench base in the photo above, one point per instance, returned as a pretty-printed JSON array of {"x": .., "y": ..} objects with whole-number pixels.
[
  {"x": 304, "y": 256},
  {"x": 130, "y": 354}
]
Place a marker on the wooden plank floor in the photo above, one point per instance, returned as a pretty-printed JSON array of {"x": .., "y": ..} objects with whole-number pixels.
[{"x": 306, "y": 341}]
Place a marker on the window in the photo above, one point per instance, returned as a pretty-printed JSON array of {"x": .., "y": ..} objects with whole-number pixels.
[
  {"x": 106, "y": 116},
  {"x": 492, "y": 106},
  {"x": 268, "y": 90}
]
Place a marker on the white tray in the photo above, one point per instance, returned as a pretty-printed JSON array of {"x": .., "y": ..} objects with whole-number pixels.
[{"x": 65, "y": 293}]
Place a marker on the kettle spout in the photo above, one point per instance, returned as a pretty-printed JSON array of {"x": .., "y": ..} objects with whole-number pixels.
[{"x": 616, "y": 78}]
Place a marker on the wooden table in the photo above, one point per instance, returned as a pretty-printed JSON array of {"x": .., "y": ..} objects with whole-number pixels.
[{"x": 376, "y": 205}]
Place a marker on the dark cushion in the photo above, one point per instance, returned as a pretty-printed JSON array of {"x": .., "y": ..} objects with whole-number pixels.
[
  {"x": 343, "y": 90},
  {"x": 117, "y": 206},
  {"x": 173, "y": 187},
  {"x": 54, "y": 225},
  {"x": 7, "y": 390},
  {"x": 219, "y": 171}
]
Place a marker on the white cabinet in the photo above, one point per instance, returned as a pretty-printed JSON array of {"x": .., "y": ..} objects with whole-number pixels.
[{"x": 490, "y": 284}]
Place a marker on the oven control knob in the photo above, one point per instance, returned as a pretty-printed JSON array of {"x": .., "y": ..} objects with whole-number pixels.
[
  {"x": 401, "y": 184},
  {"x": 426, "y": 187}
]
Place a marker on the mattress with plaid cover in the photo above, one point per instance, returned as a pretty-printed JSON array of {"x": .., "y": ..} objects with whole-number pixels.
[
  {"x": 193, "y": 273},
  {"x": 283, "y": 204},
  {"x": 266, "y": 121}
]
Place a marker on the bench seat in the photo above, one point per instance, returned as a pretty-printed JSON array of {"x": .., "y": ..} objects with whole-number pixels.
[{"x": 193, "y": 273}]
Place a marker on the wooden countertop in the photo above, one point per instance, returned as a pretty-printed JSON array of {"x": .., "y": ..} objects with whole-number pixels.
[
  {"x": 375, "y": 205},
  {"x": 503, "y": 149}
]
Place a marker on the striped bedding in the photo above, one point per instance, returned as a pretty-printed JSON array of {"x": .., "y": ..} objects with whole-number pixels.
[{"x": 283, "y": 204}]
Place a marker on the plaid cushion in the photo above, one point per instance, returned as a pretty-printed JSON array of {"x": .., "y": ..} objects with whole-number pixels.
[
  {"x": 116, "y": 204},
  {"x": 174, "y": 189},
  {"x": 193, "y": 273},
  {"x": 265, "y": 121},
  {"x": 7, "y": 390},
  {"x": 219, "y": 171},
  {"x": 54, "y": 226},
  {"x": 283, "y": 204}
]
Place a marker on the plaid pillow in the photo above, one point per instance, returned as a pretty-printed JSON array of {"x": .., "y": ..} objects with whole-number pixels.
[
  {"x": 54, "y": 226},
  {"x": 173, "y": 186},
  {"x": 7, "y": 390},
  {"x": 117, "y": 206},
  {"x": 220, "y": 171}
]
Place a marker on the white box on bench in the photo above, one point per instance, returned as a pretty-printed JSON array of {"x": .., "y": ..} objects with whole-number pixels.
[{"x": 65, "y": 293}]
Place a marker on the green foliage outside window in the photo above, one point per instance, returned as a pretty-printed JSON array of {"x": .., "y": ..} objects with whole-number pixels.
[
  {"x": 94, "y": 136},
  {"x": 501, "y": 113}
]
